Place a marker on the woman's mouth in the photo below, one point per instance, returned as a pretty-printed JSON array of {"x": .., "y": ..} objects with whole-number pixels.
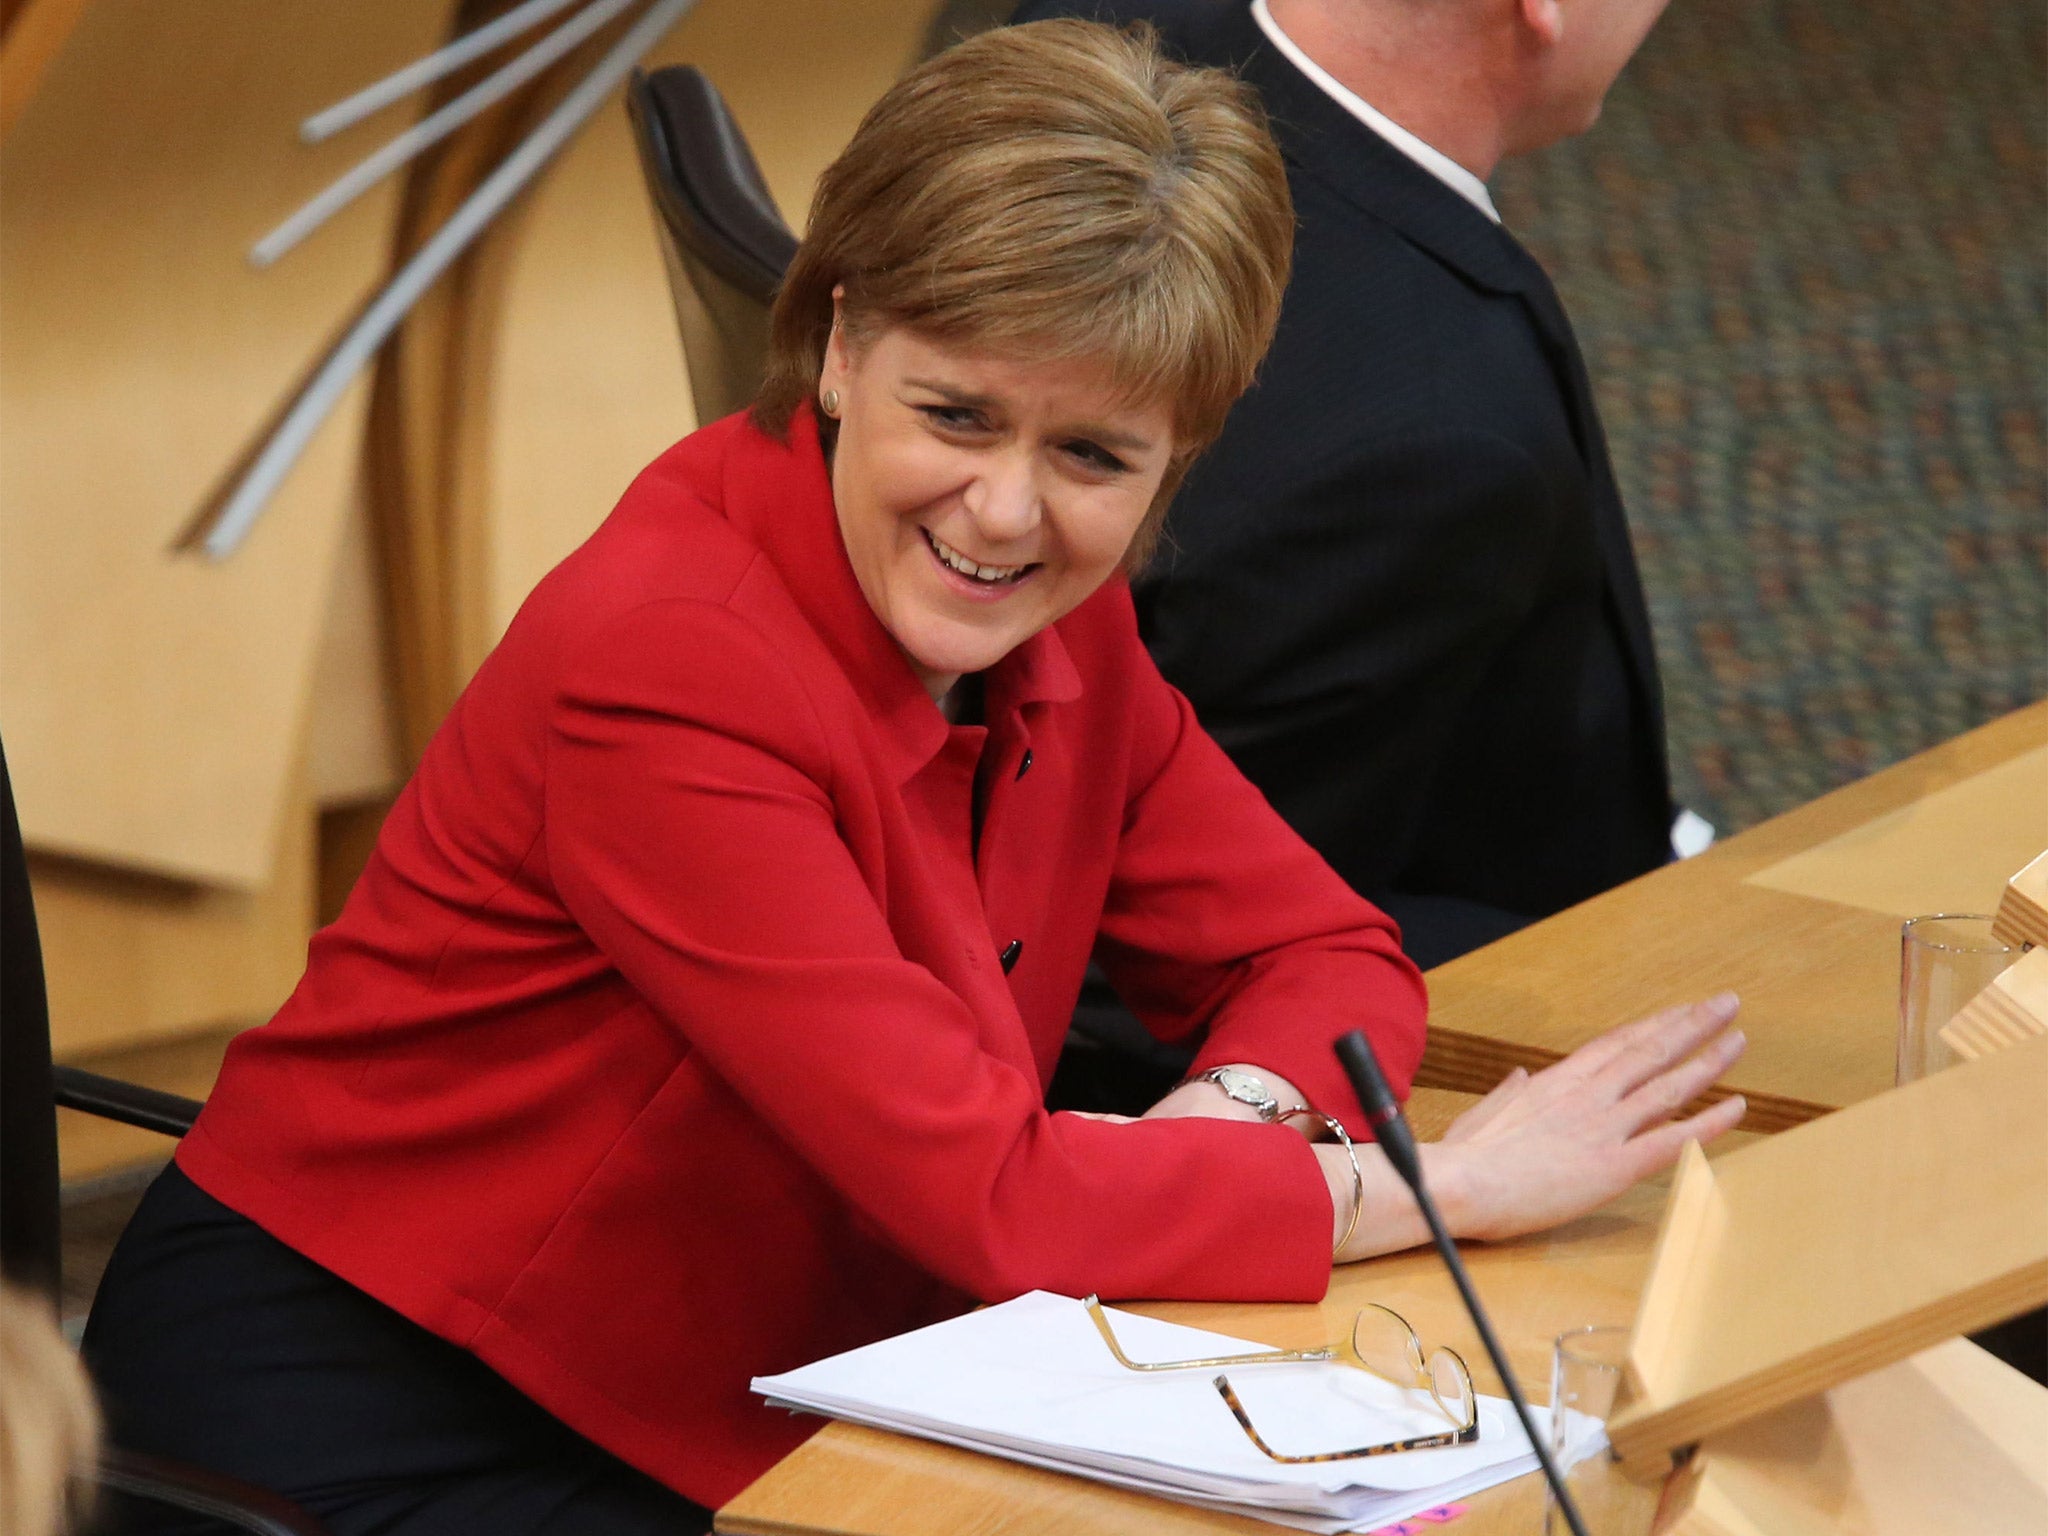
[{"x": 974, "y": 571}]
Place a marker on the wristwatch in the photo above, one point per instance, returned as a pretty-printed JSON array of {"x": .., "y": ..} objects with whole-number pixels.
[{"x": 1250, "y": 1090}]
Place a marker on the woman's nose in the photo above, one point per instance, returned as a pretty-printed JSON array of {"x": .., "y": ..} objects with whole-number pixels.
[{"x": 1004, "y": 499}]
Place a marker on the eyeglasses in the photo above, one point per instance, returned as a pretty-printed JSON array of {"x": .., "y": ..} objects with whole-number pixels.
[{"x": 1382, "y": 1343}]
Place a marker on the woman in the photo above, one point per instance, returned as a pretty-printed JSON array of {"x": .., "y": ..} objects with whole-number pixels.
[{"x": 693, "y": 1017}]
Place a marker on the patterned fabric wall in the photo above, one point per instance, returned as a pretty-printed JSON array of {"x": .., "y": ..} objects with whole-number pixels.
[{"x": 1807, "y": 255}]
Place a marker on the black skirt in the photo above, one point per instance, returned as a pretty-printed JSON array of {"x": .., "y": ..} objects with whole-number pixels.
[{"x": 215, "y": 1344}]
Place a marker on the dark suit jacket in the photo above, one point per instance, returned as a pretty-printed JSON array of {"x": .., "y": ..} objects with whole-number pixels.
[{"x": 1400, "y": 590}]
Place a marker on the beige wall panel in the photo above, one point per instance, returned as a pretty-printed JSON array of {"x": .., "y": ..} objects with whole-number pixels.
[
  {"x": 134, "y": 958},
  {"x": 351, "y": 741},
  {"x": 586, "y": 381},
  {"x": 153, "y": 703}
]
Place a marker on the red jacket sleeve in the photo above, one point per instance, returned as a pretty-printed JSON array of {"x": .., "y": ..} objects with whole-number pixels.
[
  {"x": 1245, "y": 930},
  {"x": 690, "y": 827}
]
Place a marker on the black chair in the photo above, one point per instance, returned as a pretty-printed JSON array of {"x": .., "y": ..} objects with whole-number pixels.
[
  {"x": 31, "y": 1088},
  {"x": 724, "y": 243}
]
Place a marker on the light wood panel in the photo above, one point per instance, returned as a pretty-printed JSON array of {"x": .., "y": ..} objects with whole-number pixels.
[
  {"x": 351, "y": 737},
  {"x": 1949, "y": 1443},
  {"x": 1819, "y": 980},
  {"x": 133, "y": 958},
  {"x": 1949, "y": 851},
  {"x": 1839, "y": 1247},
  {"x": 851, "y": 1481},
  {"x": 153, "y": 702}
]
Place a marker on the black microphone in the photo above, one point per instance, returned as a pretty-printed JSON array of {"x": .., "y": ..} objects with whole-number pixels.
[{"x": 1390, "y": 1129}]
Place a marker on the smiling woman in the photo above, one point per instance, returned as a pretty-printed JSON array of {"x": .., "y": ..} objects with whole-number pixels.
[{"x": 694, "y": 1016}]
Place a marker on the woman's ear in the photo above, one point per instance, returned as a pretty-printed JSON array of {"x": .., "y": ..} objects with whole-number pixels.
[{"x": 838, "y": 360}]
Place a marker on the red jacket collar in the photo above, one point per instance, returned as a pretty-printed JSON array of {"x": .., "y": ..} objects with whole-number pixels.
[{"x": 780, "y": 495}]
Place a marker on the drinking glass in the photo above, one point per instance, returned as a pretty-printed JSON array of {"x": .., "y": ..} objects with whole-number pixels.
[
  {"x": 1944, "y": 961},
  {"x": 1585, "y": 1376}
]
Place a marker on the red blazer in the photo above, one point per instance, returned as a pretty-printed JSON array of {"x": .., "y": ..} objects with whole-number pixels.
[{"x": 668, "y": 1039}]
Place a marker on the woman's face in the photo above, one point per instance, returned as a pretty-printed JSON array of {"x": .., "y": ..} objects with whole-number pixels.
[{"x": 980, "y": 498}]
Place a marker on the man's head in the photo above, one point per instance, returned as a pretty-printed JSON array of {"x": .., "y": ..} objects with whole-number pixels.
[{"x": 1478, "y": 79}]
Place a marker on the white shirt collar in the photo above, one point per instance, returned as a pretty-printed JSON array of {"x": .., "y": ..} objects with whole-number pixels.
[{"x": 1435, "y": 161}]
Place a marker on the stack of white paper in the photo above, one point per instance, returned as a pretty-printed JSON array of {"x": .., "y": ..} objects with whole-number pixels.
[{"x": 1031, "y": 1380}]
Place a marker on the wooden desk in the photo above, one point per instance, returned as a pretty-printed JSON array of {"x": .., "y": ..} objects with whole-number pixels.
[
  {"x": 850, "y": 1481},
  {"x": 1819, "y": 978}
]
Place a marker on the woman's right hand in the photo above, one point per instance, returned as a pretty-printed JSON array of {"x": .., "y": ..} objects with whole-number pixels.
[{"x": 1543, "y": 1149}]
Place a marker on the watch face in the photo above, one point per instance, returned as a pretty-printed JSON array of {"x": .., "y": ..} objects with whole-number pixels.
[{"x": 1242, "y": 1086}]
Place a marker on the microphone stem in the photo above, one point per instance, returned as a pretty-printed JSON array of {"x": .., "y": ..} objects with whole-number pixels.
[
  {"x": 1449, "y": 1250},
  {"x": 1397, "y": 1142}
]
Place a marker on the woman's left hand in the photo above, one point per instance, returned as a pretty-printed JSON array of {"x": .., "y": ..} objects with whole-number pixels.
[{"x": 1540, "y": 1150}]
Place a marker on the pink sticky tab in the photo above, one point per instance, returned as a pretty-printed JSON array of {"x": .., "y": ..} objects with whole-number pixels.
[{"x": 1415, "y": 1525}]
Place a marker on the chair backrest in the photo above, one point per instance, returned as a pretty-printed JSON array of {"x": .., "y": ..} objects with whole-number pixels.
[
  {"x": 30, "y": 1252},
  {"x": 724, "y": 243}
]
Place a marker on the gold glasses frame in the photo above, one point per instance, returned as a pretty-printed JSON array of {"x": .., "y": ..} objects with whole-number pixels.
[{"x": 1466, "y": 1418}]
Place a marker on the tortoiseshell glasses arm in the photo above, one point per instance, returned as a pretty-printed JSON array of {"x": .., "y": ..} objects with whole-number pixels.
[{"x": 1420, "y": 1443}]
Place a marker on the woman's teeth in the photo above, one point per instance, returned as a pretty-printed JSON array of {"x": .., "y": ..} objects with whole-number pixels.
[{"x": 992, "y": 575}]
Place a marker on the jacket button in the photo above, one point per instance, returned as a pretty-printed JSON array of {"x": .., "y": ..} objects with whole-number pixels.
[
  {"x": 1010, "y": 954},
  {"x": 1025, "y": 766}
]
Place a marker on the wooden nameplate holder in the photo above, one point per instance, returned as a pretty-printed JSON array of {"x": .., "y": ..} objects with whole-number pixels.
[
  {"x": 1952, "y": 1442},
  {"x": 2023, "y": 908},
  {"x": 1837, "y": 1248},
  {"x": 2015, "y": 1006}
]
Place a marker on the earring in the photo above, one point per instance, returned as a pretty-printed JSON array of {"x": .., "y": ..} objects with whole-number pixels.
[{"x": 830, "y": 400}]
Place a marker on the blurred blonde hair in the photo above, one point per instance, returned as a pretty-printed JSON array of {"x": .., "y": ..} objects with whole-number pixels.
[
  {"x": 1058, "y": 190},
  {"x": 49, "y": 1429}
]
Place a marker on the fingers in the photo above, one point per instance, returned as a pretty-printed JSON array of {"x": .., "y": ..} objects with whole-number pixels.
[
  {"x": 1655, "y": 1150},
  {"x": 1669, "y": 1091},
  {"x": 1649, "y": 1046},
  {"x": 1632, "y": 1038},
  {"x": 1096, "y": 1114}
]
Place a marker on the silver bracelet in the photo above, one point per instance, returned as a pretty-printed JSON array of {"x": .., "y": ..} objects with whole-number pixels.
[{"x": 1357, "y": 1182}]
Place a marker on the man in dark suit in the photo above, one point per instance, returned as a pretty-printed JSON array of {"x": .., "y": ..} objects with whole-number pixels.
[{"x": 1400, "y": 589}]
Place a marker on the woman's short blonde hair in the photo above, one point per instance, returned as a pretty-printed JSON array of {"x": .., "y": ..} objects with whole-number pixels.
[{"x": 1057, "y": 190}]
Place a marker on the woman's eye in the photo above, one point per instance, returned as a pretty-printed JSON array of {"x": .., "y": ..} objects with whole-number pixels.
[
  {"x": 1096, "y": 457},
  {"x": 953, "y": 418}
]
